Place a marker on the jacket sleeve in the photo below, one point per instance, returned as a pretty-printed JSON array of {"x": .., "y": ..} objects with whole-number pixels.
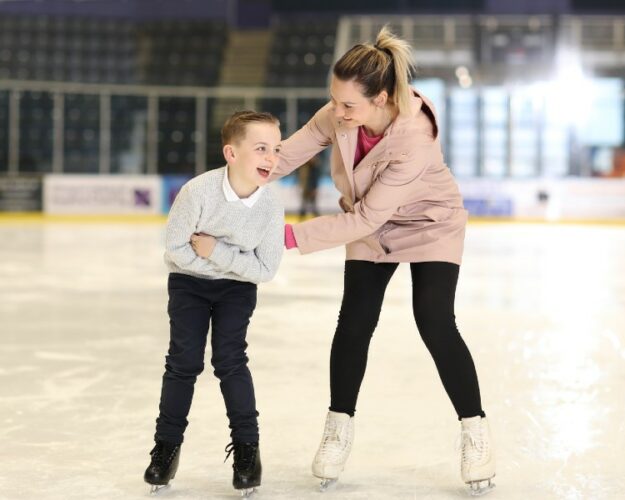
[
  {"x": 181, "y": 224},
  {"x": 258, "y": 265},
  {"x": 313, "y": 137},
  {"x": 399, "y": 183}
]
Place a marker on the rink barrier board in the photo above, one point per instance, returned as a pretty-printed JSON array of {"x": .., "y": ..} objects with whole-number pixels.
[{"x": 148, "y": 198}]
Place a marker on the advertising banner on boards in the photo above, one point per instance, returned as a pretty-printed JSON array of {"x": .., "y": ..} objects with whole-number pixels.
[{"x": 110, "y": 194}]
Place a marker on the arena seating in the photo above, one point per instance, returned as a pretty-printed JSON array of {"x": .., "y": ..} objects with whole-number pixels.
[
  {"x": 302, "y": 53},
  {"x": 181, "y": 52}
]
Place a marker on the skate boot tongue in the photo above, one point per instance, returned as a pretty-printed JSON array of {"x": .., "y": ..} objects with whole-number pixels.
[
  {"x": 339, "y": 417},
  {"x": 245, "y": 455},
  {"x": 336, "y": 424},
  {"x": 473, "y": 432},
  {"x": 473, "y": 422},
  {"x": 163, "y": 452}
]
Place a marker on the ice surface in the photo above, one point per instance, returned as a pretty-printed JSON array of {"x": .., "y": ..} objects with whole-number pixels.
[{"x": 84, "y": 330}]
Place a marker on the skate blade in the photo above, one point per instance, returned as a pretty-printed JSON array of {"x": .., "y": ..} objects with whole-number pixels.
[
  {"x": 156, "y": 489},
  {"x": 479, "y": 488},
  {"x": 248, "y": 493},
  {"x": 327, "y": 484}
]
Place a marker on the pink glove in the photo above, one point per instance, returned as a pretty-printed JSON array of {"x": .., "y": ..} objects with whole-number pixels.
[{"x": 289, "y": 237}]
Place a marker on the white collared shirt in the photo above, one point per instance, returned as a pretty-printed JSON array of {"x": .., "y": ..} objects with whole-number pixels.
[{"x": 232, "y": 196}]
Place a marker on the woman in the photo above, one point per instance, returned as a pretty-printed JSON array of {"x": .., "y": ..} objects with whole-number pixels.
[{"x": 401, "y": 204}]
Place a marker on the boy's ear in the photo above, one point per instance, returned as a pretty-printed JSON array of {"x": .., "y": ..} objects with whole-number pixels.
[{"x": 228, "y": 152}]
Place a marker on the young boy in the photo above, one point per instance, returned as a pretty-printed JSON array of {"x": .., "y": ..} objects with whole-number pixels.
[{"x": 225, "y": 234}]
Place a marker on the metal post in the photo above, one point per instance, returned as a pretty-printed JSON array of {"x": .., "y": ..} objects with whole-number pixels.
[
  {"x": 152, "y": 138},
  {"x": 249, "y": 102},
  {"x": 367, "y": 30},
  {"x": 407, "y": 25},
  {"x": 14, "y": 132},
  {"x": 619, "y": 34},
  {"x": 540, "y": 129},
  {"x": 105, "y": 133},
  {"x": 200, "y": 135},
  {"x": 510, "y": 131},
  {"x": 480, "y": 133},
  {"x": 449, "y": 33},
  {"x": 343, "y": 37},
  {"x": 291, "y": 114},
  {"x": 58, "y": 124}
]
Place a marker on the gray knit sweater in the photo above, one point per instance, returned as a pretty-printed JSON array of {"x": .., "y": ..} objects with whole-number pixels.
[{"x": 249, "y": 240}]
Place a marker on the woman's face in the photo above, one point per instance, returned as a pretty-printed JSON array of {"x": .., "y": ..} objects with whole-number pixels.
[{"x": 349, "y": 103}]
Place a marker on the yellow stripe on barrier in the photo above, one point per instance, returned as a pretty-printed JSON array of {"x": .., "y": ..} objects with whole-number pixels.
[
  {"x": 529, "y": 220},
  {"x": 293, "y": 219},
  {"x": 13, "y": 218},
  {"x": 38, "y": 218}
]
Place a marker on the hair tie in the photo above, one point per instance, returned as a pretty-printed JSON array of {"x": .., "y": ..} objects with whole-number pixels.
[{"x": 385, "y": 50}]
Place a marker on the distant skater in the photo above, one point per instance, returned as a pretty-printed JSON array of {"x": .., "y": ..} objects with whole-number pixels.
[{"x": 309, "y": 177}]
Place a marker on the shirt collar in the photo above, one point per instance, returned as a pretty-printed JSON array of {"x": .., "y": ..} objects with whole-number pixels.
[{"x": 232, "y": 196}]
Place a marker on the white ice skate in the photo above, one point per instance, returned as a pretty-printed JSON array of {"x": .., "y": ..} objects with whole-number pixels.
[
  {"x": 477, "y": 461},
  {"x": 336, "y": 444}
]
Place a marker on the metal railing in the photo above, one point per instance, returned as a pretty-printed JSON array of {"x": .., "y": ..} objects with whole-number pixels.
[
  {"x": 440, "y": 40},
  {"x": 249, "y": 96}
]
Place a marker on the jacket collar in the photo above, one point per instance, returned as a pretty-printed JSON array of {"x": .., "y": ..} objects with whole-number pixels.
[{"x": 393, "y": 144}]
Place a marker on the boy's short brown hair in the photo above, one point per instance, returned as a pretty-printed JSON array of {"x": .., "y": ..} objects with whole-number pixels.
[{"x": 234, "y": 128}]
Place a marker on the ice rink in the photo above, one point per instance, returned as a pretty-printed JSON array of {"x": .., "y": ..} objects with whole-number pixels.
[{"x": 85, "y": 330}]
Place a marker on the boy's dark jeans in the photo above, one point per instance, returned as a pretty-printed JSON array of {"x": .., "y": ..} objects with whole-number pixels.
[{"x": 227, "y": 305}]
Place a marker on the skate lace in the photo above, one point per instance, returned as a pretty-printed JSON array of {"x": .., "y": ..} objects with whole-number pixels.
[
  {"x": 473, "y": 445},
  {"x": 331, "y": 445},
  {"x": 160, "y": 456},
  {"x": 244, "y": 455}
]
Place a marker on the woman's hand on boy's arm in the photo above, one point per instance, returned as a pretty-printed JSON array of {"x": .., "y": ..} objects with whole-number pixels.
[{"x": 203, "y": 244}]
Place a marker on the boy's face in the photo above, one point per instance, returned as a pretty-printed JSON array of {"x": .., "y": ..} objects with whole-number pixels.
[{"x": 255, "y": 156}]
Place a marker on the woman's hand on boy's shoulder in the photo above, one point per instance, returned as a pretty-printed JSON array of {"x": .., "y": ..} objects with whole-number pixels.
[{"x": 203, "y": 244}]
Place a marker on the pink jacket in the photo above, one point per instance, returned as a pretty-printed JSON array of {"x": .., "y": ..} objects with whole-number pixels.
[{"x": 401, "y": 203}]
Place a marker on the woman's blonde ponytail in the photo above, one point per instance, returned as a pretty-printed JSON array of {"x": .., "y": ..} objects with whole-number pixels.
[{"x": 401, "y": 54}]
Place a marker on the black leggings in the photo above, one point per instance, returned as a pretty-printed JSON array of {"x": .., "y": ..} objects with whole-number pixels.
[{"x": 433, "y": 293}]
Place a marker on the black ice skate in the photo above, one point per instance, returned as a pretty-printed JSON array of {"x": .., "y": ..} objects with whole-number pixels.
[
  {"x": 247, "y": 469},
  {"x": 163, "y": 467}
]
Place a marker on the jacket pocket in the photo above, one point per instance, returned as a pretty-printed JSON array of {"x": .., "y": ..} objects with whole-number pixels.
[{"x": 381, "y": 238}]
